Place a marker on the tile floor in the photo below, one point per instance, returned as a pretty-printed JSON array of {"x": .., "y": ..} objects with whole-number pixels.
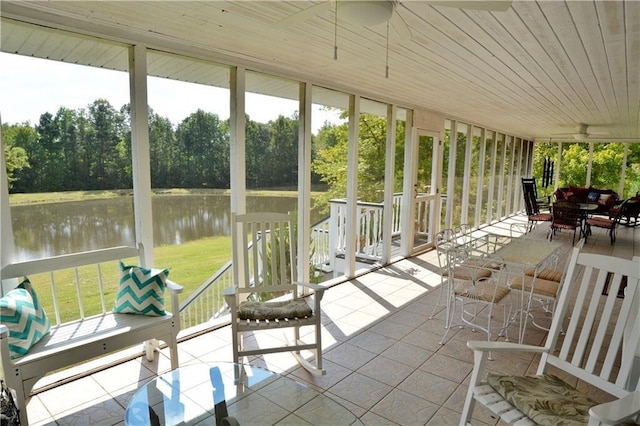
[{"x": 381, "y": 354}]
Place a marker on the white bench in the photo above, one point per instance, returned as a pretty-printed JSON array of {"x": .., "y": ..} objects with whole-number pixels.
[{"x": 85, "y": 337}]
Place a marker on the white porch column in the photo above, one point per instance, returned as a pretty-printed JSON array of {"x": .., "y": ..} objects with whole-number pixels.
[
  {"x": 623, "y": 172},
  {"x": 587, "y": 184},
  {"x": 7, "y": 247},
  {"x": 140, "y": 151},
  {"x": 352, "y": 187},
  {"x": 451, "y": 174},
  {"x": 389, "y": 177},
  {"x": 480, "y": 184},
  {"x": 238, "y": 177},
  {"x": 407, "y": 215},
  {"x": 503, "y": 156},
  {"x": 464, "y": 211},
  {"x": 492, "y": 175},
  {"x": 304, "y": 182},
  {"x": 557, "y": 170}
]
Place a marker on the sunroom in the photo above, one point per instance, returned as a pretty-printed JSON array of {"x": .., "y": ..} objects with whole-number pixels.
[{"x": 438, "y": 109}]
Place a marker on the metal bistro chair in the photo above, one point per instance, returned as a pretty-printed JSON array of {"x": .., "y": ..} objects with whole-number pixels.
[
  {"x": 445, "y": 240},
  {"x": 566, "y": 215},
  {"x": 266, "y": 294},
  {"x": 542, "y": 286},
  {"x": 475, "y": 284},
  {"x": 597, "y": 350}
]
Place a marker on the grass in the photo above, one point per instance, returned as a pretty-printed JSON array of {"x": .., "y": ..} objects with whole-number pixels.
[
  {"x": 70, "y": 196},
  {"x": 190, "y": 264}
]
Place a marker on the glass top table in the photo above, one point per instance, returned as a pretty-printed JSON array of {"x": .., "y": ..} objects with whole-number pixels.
[{"x": 227, "y": 393}]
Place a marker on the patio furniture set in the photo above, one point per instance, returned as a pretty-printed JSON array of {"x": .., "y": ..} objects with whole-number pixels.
[
  {"x": 478, "y": 272},
  {"x": 580, "y": 208},
  {"x": 485, "y": 271}
]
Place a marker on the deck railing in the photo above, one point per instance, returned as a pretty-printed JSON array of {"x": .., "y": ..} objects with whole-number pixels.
[{"x": 328, "y": 239}]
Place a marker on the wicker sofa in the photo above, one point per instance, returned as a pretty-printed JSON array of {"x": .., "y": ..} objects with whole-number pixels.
[{"x": 605, "y": 198}]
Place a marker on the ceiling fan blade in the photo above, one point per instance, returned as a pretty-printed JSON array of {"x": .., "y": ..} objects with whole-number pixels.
[
  {"x": 399, "y": 25},
  {"x": 304, "y": 14},
  {"x": 490, "y": 5}
]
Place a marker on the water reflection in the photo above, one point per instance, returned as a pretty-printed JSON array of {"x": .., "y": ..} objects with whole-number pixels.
[{"x": 61, "y": 228}]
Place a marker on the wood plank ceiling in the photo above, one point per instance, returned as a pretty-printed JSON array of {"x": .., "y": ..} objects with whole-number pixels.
[{"x": 536, "y": 70}]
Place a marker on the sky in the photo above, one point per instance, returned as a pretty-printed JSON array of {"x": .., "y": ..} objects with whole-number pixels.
[{"x": 30, "y": 87}]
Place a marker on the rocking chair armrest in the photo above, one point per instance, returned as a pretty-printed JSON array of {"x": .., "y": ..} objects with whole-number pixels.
[
  {"x": 485, "y": 346},
  {"x": 315, "y": 287},
  {"x": 230, "y": 291},
  {"x": 617, "y": 411}
]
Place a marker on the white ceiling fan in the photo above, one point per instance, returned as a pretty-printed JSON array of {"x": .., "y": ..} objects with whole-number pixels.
[{"x": 374, "y": 12}]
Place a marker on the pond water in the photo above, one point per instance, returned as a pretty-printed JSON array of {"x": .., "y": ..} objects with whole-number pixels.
[{"x": 60, "y": 228}]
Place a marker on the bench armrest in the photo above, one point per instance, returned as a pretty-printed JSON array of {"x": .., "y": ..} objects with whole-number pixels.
[{"x": 174, "y": 289}]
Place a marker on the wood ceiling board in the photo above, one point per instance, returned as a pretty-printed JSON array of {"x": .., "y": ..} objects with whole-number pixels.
[
  {"x": 459, "y": 60},
  {"x": 552, "y": 85},
  {"x": 587, "y": 23},
  {"x": 541, "y": 86},
  {"x": 622, "y": 42},
  {"x": 500, "y": 62},
  {"x": 550, "y": 52},
  {"x": 183, "y": 68},
  {"x": 579, "y": 68}
]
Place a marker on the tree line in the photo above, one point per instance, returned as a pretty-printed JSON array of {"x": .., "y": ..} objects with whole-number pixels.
[{"x": 90, "y": 149}]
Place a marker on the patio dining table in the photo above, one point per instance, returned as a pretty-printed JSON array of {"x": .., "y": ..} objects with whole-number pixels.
[{"x": 518, "y": 255}]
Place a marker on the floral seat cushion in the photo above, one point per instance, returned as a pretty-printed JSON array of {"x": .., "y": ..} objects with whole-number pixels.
[
  {"x": 296, "y": 308},
  {"x": 546, "y": 399}
]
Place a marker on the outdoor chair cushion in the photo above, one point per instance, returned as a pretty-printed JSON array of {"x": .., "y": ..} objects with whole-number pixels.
[
  {"x": 600, "y": 222},
  {"x": 546, "y": 399},
  {"x": 482, "y": 290},
  {"x": 297, "y": 308},
  {"x": 541, "y": 217},
  {"x": 468, "y": 273},
  {"x": 545, "y": 274},
  {"x": 541, "y": 286}
]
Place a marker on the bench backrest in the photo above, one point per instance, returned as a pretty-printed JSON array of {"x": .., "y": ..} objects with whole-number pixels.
[{"x": 77, "y": 285}]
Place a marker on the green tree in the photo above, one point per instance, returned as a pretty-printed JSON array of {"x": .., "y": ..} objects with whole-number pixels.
[
  {"x": 258, "y": 164},
  {"x": 15, "y": 156},
  {"x": 331, "y": 161},
  {"x": 103, "y": 145},
  {"x": 204, "y": 149},
  {"x": 163, "y": 151},
  {"x": 283, "y": 152}
]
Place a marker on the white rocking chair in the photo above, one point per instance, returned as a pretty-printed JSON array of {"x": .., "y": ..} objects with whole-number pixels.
[
  {"x": 598, "y": 349},
  {"x": 266, "y": 294}
]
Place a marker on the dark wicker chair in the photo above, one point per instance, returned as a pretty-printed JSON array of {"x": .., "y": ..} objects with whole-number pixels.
[
  {"x": 533, "y": 208},
  {"x": 610, "y": 223},
  {"x": 566, "y": 215}
]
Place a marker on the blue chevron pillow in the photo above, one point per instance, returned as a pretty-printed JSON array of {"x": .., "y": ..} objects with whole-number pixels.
[
  {"x": 141, "y": 291},
  {"x": 23, "y": 315}
]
